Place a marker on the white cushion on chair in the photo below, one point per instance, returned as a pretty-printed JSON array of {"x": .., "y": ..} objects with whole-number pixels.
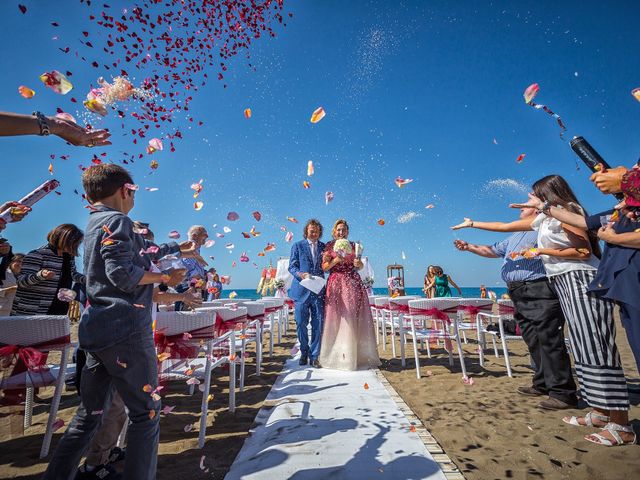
[
  {"x": 227, "y": 313},
  {"x": 254, "y": 308},
  {"x": 269, "y": 303},
  {"x": 381, "y": 301},
  {"x": 445, "y": 303},
  {"x": 476, "y": 302},
  {"x": 278, "y": 301},
  {"x": 32, "y": 330},
  {"x": 175, "y": 323}
]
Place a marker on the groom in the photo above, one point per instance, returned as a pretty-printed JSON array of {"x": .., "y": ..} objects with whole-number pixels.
[{"x": 306, "y": 260}]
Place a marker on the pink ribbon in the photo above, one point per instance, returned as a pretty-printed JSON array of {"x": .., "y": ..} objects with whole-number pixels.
[
  {"x": 474, "y": 310},
  {"x": 398, "y": 307},
  {"x": 224, "y": 326},
  {"x": 430, "y": 312},
  {"x": 435, "y": 313},
  {"x": 28, "y": 358},
  {"x": 506, "y": 309}
]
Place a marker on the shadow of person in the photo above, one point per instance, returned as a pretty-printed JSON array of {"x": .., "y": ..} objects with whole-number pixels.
[
  {"x": 366, "y": 464},
  {"x": 267, "y": 446}
]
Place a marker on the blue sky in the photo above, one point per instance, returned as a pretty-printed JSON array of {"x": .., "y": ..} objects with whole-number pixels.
[{"x": 411, "y": 89}]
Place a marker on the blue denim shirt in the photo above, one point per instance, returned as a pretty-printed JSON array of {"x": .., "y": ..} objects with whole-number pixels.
[{"x": 118, "y": 305}]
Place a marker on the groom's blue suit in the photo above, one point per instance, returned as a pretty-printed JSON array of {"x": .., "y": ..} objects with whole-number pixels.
[{"x": 307, "y": 302}]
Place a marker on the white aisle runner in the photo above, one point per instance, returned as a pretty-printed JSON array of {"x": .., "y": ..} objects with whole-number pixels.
[{"x": 320, "y": 424}]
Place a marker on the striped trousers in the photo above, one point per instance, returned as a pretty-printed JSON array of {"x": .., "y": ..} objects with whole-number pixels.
[{"x": 592, "y": 336}]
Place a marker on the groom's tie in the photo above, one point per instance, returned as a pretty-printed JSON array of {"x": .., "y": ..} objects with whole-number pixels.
[{"x": 313, "y": 252}]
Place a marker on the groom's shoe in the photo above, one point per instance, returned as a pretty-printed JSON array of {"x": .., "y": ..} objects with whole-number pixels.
[
  {"x": 315, "y": 363},
  {"x": 303, "y": 360}
]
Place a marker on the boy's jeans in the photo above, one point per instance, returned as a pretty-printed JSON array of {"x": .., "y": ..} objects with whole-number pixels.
[{"x": 127, "y": 366}]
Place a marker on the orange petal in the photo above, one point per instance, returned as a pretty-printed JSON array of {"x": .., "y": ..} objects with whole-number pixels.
[
  {"x": 26, "y": 92},
  {"x": 317, "y": 115}
]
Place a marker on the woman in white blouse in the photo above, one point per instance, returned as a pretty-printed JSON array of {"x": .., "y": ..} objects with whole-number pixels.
[
  {"x": 8, "y": 286},
  {"x": 570, "y": 256}
]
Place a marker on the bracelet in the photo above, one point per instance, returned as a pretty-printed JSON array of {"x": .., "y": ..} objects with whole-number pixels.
[
  {"x": 471, "y": 224},
  {"x": 42, "y": 123},
  {"x": 545, "y": 207}
]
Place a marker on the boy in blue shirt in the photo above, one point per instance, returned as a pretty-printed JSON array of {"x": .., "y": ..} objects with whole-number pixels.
[{"x": 116, "y": 330}]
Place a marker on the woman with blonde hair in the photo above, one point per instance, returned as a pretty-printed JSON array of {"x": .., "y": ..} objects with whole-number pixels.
[
  {"x": 428, "y": 280},
  {"x": 348, "y": 340}
]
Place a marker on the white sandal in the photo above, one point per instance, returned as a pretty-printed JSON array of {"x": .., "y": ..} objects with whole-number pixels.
[
  {"x": 613, "y": 428},
  {"x": 588, "y": 418}
]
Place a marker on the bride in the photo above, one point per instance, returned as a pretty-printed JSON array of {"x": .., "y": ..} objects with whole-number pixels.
[{"x": 348, "y": 340}]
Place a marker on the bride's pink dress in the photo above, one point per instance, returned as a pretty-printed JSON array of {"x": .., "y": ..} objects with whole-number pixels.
[{"x": 348, "y": 337}]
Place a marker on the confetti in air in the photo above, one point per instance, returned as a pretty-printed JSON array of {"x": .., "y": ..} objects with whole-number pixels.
[{"x": 407, "y": 217}]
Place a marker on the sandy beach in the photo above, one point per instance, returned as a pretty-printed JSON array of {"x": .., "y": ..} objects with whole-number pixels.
[
  {"x": 492, "y": 432},
  {"x": 179, "y": 455},
  {"x": 487, "y": 429}
]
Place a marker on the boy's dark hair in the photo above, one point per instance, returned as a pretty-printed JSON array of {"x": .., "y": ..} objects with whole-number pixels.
[
  {"x": 102, "y": 181},
  {"x": 66, "y": 237}
]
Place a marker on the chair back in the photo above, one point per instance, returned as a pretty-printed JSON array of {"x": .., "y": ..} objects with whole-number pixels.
[
  {"x": 34, "y": 330},
  {"x": 227, "y": 313},
  {"x": 444, "y": 305},
  {"x": 254, "y": 309},
  {"x": 381, "y": 302},
  {"x": 175, "y": 323},
  {"x": 401, "y": 304},
  {"x": 471, "y": 306},
  {"x": 506, "y": 309},
  {"x": 279, "y": 302},
  {"x": 215, "y": 303}
]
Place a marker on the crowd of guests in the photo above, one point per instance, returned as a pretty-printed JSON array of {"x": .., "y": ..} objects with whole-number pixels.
[
  {"x": 556, "y": 273},
  {"x": 121, "y": 284}
]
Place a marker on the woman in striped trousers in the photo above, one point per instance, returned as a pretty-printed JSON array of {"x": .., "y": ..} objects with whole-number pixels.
[{"x": 569, "y": 255}]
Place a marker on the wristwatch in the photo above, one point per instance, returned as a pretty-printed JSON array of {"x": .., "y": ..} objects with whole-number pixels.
[{"x": 43, "y": 123}]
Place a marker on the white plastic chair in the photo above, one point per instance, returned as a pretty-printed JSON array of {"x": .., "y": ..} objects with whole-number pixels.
[
  {"x": 467, "y": 311},
  {"x": 173, "y": 324},
  {"x": 251, "y": 332},
  {"x": 394, "y": 311},
  {"x": 505, "y": 312},
  {"x": 382, "y": 306},
  {"x": 270, "y": 320},
  {"x": 233, "y": 317},
  {"x": 433, "y": 318},
  {"x": 280, "y": 306},
  {"x": 36, "y": 332},
  {"x": 398, "y": 307},
  {"x": 374, "y": 314}
]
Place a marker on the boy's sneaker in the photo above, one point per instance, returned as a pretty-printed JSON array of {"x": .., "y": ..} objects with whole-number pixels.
[
  {"x": 116, "y": 455},
  {"x": 101, "y": 472}
]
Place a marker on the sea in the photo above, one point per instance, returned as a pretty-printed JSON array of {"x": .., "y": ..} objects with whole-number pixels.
[{"x": 467, "y": 292}]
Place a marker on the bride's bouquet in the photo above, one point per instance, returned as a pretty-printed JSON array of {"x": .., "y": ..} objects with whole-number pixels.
[{"x": 342, "y": 247}]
